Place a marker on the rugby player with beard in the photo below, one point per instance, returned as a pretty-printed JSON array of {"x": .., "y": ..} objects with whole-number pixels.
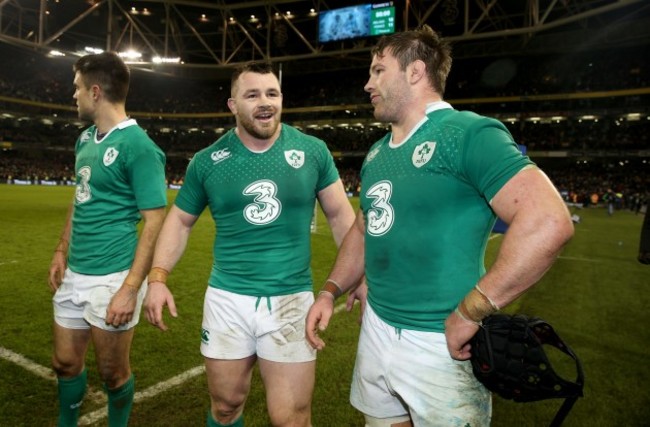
[{"x": 260, "y": 181}]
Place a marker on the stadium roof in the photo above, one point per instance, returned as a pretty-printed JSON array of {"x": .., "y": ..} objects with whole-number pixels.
[{"x": 208, "y": 36}]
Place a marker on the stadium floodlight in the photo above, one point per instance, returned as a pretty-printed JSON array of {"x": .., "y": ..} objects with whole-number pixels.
[
  {"x": 164, "y": 60},
  {"x": 94, "y": 50},
  {"x": 130, "y": 54}
]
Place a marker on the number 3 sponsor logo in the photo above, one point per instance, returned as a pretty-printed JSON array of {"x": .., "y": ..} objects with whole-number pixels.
[
  {"x": 381, "y": 214},
  {"x": 266, "y": 207},
  {"x": 82, "y": 192}
]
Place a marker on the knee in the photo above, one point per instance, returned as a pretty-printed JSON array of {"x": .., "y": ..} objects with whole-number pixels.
[
  {"x": 113, "y": 377},
  {"x": 66, "y": 368},
  {"x": 226, "y": 412}
]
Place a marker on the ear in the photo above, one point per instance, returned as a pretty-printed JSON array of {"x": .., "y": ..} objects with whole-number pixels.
[
  {"x": 416, "y": 71},
  {"x": 96, "y": 91},
  {"x": 232, "y": 105}
]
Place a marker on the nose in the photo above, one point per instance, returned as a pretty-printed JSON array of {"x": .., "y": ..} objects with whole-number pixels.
[{"x": 368, "y": 86}]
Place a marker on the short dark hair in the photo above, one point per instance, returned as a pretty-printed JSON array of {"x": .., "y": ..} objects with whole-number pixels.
[
  {"x": 424, "y": 44},
  {"x": 259, "y": 67},
  {"x": 108, "y": 71}
]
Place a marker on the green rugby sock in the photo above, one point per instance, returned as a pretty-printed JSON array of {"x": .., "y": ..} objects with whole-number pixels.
[
  {"x": 239, "y": 422},
  {"x": 120, "y": 401},
  {"x": 71, "y": 395}
]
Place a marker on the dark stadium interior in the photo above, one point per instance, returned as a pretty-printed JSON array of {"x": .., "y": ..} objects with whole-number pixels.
[{"x": 570, "y": 79}]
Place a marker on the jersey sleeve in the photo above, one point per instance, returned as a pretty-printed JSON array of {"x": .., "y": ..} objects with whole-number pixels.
[
  {"x": 491, "y": 157},
  {"x": 146, "y": 171},
  {"x": 328, "y": 174}
]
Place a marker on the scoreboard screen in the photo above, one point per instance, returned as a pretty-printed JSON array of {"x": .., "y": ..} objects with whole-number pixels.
[{"x": 351, "y": 22}]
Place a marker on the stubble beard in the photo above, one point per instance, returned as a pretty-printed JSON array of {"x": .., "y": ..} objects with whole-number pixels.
[
  {"x": 389, "y": 108},
  {"x": 264, "y": 131}
]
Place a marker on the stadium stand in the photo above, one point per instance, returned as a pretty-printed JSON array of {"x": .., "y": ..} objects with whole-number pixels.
[{"x": 586, "y": 136}]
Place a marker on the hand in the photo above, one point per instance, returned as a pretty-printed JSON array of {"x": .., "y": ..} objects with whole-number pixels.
[
  {"x": 359, "y": 293},
  {"x": 57, "y": 269},
  {"x": 122, "y": 306},
  {"x": 318, "y": 318},
  {"x": 158, "y": 296},
  {"x": 458, "y": 332}
]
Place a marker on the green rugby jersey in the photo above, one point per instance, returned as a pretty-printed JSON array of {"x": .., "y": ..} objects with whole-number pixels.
[
  {"x": 116, "y": 177},
  {"x": 262, "y": 205},
  {"x": 427, "y": 213}
]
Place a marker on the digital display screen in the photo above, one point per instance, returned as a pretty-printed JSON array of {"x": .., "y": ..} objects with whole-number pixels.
[
  {"x": 382, "y": 20},
  {"x": 356, "y": 21}
]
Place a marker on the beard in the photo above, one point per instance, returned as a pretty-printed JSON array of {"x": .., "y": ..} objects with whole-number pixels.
[
  {"x": 385, "y": 113},
  {"x": 260, "y": 130}
]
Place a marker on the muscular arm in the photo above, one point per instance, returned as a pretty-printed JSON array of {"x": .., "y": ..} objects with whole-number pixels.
[
  {"x": 169, "y": 249},
  {"x": 539, "y": 227},
  {"x": 337, "y": 209},
  {"x": 122, "y": 305},
  {"x": 59, "y": 259},
  {"x": 347, "y": 272},
  {"x": 152, "y": 223},
  {"x": 349, "y": 265},
  {"x": 173, "y": 238}
]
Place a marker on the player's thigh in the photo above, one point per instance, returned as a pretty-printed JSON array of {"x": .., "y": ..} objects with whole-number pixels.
[
  {"x": 438, "y": 390},
  {"x": 112, "y": 353},
  {"x": 289, "y": 388},
  {"x": 70, "y": 346},
  {"x": 229, "y": 381}
]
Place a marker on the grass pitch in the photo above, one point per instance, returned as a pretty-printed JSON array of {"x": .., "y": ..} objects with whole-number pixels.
[{"x": 594, "y": 296}]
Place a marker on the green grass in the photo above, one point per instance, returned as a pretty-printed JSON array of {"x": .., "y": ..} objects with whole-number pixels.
[{"x": 596, "y": 297}]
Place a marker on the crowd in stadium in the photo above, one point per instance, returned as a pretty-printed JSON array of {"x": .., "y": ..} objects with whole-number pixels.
[{"x": 51, "y": 132}]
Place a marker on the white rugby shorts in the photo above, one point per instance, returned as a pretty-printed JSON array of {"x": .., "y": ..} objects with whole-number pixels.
[
  {"x": 82, "y": 300},
  {"x": 237, "y": 326},
  {"x": 399, "y": 372}
]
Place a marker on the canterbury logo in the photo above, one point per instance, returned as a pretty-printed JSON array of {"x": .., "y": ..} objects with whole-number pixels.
[
  {"x": 85, "y": 137},
  {"x": 220, "y": 155}
]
